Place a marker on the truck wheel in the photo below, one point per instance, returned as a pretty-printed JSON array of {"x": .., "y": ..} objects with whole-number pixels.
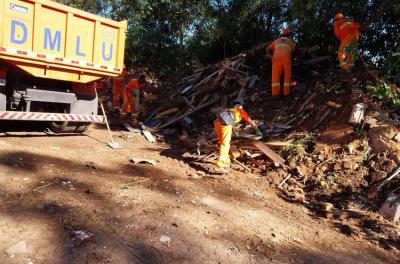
[{"x": 68, "y": 127}]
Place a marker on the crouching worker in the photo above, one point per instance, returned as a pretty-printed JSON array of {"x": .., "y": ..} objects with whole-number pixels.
[{"x": 224, "y": 126}]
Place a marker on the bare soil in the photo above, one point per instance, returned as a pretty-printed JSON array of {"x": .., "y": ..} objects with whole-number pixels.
[{"x": 72, "y": 199}]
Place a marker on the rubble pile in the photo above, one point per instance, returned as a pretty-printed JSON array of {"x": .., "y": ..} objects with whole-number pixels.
[
  {"x": 204, "y": 89},
  {"x": 310, "y": 152}
]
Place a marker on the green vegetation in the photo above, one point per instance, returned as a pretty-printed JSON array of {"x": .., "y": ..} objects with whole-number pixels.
[
  {"x": 297, "y": 147},
  {"x": 168, "y": 35},
  {"x": 387, "y": 93},
  {"x": 392, "y": 68}
]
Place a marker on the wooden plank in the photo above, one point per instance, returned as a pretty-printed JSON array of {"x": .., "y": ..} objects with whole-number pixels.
[
  {"x": 253, "y": 81},
  {"x": 190, "y": 112},
  {"x": 238, "y": 71},
  {"x": 269, "y": 153},
  {"x": 306, "y": 103},
  {"x": 241, "y": 165},
  {"x": 184, "y": 79},
  {"x": 322, "y": 119},
  {"x": 241, "y": 95},
  {"x": 277, "y": 144},
  {"x": 205, "y": 80},
  {"x": 187, "y": 102},
  {"x": 147, "y": 134},
  {"x": 316, "y": 60},
  {"x": 130, "y": 128},
  {"x": 167, "y": 112},
  {"x": 244, "y": 144}
]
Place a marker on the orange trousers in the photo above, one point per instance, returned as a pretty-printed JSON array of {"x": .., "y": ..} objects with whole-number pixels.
[
  {"x": 347, "y": 50},
  {"x": 224, "y": 136},
  {"x": 129, "y": 102},
  {"x": 117, "y": 90},
  {"x": 281, "y": 64}
]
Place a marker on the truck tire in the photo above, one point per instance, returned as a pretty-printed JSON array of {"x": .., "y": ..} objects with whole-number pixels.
[{"x": 68, "y": 127}]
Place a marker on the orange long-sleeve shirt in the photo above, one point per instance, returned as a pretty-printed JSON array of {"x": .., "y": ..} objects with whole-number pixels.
[
  {"x": 344, "y": 26},
  {"x": 134, "y": 85},
  {"x": 240, "y": 114},
  {"x": 282, "y": 46}
]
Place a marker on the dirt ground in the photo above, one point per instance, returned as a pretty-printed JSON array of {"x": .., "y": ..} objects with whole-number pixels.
[{"x": 72, "y": 199}]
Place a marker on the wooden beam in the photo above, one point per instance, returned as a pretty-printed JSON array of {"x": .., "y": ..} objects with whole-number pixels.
[
  {"x": 167, "y": 113},
  {"x": 269, "y": 153},
  {"x": 190, "y": 112}
]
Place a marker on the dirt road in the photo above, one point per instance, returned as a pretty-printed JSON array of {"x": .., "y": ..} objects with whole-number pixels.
[{"x": 71, "y": 199}]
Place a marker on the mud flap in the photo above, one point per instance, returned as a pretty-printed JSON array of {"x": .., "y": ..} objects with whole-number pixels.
[{"x": 3, "y": 98}]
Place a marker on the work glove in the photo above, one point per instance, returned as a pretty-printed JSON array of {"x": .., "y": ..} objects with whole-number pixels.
[{"x": 259, "y": 133}]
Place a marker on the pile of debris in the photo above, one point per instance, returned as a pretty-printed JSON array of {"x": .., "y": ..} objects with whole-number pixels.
[
  {"x": 245, "y": 77},
  {"x": 309, "y": 151},
  {"x": 216, "y": 85}
]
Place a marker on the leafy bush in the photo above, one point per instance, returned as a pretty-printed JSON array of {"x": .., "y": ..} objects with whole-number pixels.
[
  {"x": 392, "y": 68},
  {"x": 387, "y": 93}
]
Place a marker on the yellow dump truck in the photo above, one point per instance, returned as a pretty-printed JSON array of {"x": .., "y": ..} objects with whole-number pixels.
[{"x": 51, "y": 58}]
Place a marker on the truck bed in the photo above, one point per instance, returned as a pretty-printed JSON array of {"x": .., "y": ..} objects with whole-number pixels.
[{"x": 54, "y": 41}]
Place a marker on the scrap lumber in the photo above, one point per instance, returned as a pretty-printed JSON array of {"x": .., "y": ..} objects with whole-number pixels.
[
  {"x": 241, "y": 165},
  {"x": 147, "y": 134},
  {"x": 187, "y": 102},
  {"x": 205, "y": 80},
  {"x": 41, "y": 187},
  {"x": 197, "y": 89},
  {"x": 247, "y": 144},
  {"x": 167, "y": 113},
  {"x": 130, "y": 128},
  {"x": 241, "y": 95},
  {"x": 190, "y": 113},
  {"x": 316, "y": 60},
  {"x": 323, "y": 117},
  {"x": 309, "y": 99},
  {"x": 253, "y": 81},
  {"x": 277, "y": 144},
  {"x": 280, "y": 186},
  {"x": 269, "y": 153}
]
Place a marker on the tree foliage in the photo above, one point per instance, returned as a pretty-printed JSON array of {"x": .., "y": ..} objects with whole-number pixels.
[{"x": 169, "y": 34}]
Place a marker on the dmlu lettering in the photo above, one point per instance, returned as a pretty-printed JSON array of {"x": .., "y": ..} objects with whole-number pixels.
[{"x": 52, "y": 40}]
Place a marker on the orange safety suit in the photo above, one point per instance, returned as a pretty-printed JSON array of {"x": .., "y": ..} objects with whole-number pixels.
[
  {"x": 129, "y": 98},
  {"x": 118, "y": 88},
  {"x": 348, "y": 32},
  {"x": 225, "y": 135},
  {"x": 282, "y": 49}
]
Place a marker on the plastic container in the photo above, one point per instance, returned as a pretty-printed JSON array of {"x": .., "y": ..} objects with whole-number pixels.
[
  {"x": 358, "y": 114},
  {"x": 391, "y": 208}
]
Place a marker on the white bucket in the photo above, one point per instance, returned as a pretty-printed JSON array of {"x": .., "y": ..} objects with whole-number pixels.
[{"x": 358, "y": 114}]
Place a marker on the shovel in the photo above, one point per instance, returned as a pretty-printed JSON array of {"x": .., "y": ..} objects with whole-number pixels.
[
  {"x": 374, "y": 191},
  {"x": 112, "y": 144}
]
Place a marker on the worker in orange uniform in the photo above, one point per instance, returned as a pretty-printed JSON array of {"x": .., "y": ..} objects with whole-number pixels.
[
  {"x": 128, "y": 106},
  {"x": 348, "y": 32},
  {"x": 118, "y": 88},
  {"x": 281, "y": 53},
  {"x": 224, "y": 126}
]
